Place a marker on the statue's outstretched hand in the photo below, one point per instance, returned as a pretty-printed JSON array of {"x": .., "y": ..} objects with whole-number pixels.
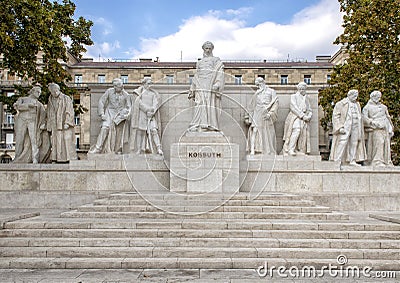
[{"x": 191, "y": 95}]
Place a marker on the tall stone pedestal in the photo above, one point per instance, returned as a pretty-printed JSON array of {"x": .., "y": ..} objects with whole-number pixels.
[{"x": 204, "y": 163}]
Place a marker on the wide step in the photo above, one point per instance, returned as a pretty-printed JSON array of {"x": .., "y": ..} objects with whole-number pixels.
[
  {"x": 128, "y": 230},
  {"x": 182, "y": 263},
  {"x": 210, "y": 215},
  {"x": 201, "y": 242}
]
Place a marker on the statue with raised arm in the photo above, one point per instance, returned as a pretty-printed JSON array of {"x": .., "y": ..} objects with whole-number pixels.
[
  {"x": 32, "y": 143},
  {"x": 379, "y": 131},
  {"x": 206, "y": 91},
  {"x": 60, "y": 124},
  {"x": 114, "y": 108},
  {"x": 297, "y": 125},
  {"x": 348, "y": 143},
  {"x": 263, "y": 113},
  {"x": 145, "y": 120}
]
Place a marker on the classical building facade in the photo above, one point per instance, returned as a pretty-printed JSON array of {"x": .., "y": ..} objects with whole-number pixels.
[{"x": 91, "y": 77}]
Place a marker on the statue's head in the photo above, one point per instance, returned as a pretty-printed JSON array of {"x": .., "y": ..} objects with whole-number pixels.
[
  {"x": 208, "y": 44},
  {"x": 259, "y": 81},
  {"x": 146, "y": 81},
  {"x": 375, "y": 96},
  {"x": 208, "y": 48},
  {"x": 117, "y": 84},
  {"x": 54, "y": 89},
  {"x": 352, "y": 95},
  {"x": 35, "y": 92},
  {"x": 302, "y": 87}
]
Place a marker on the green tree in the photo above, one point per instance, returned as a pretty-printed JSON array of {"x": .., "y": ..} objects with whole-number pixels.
[
  {"x": 371, "y": 37},
  {"x": 34, "y": 38}
]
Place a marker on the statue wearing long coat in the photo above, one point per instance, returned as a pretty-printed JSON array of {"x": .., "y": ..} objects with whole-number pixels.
[
  {"x": 207, "y": 87},
  {"x": 339, "y": 118},
  {"x": 379, "y": 130},
  {"x": 60, "y": 113},
  {"x": 263, "y": 102},
  {"x": 299, "y": 107}
]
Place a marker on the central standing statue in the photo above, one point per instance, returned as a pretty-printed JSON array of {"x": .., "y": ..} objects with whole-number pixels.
[{"x": 206, "y": 91}]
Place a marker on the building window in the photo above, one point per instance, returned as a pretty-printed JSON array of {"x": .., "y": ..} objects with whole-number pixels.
[
  {"x": 170, "y": 79},
  {"x": 307, "y": 79},
  {"x": 124, "y": 79},
  {"x": 238, "y": 79},
  {"x": 9, "y": 119},
  {"x": 77, "y": 139},
  {"x": 191, "y": 79},
  {"x": 9, "y": 141},
  {"x": 77, "y": 120},
  {"x": 328, "y": 78},
  {"x": 101, "y": 79},
  {"x": 78, "y": 79},
  {"x": 284, "y": 79}
]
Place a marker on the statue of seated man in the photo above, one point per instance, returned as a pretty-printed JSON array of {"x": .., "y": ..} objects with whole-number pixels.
[{"x": 114, "y": 108}]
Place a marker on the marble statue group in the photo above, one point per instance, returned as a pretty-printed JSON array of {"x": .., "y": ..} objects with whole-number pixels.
[
  {"x": 132, "y": 121},
  {"x": 352, "y": 126},
  {"x": 45, "y": 135}
]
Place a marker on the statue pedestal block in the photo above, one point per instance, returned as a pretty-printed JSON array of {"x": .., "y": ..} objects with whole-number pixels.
[{"x": 204, "y": 163}]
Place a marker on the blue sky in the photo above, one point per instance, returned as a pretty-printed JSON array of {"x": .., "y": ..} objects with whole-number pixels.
[{"x": 174, "y": 30}]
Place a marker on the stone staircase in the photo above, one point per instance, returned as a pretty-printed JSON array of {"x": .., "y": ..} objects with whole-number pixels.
[{"x": 124, "y": 230}]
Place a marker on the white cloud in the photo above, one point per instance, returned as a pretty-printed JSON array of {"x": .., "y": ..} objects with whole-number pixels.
[
  {"x": 102, "y": 50},
  {"x": 310, "y": 33},
  {"x": 231, "y": 13},
  {"x": 106, "y": 25}
]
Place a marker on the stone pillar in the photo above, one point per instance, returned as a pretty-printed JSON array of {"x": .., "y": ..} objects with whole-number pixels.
[{"x": 204, "y": 163}]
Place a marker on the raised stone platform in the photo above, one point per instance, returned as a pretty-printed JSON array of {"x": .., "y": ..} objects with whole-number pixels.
[
  {"x": 204, "y": 163},
  {"x": 80, "y": 182}
]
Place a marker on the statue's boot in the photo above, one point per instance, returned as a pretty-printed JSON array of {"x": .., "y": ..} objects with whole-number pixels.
[
  {"x": 157, "y": 142},
  {"x": 35, "y": 154},
  {"x": 100, "y": 141},
  {"x": 293, "y": 140}
]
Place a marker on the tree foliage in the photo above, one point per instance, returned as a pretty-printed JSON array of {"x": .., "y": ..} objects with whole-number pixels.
[
  {"x": 371, "y": 37},
  {"x": 35, "y": 36}
]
